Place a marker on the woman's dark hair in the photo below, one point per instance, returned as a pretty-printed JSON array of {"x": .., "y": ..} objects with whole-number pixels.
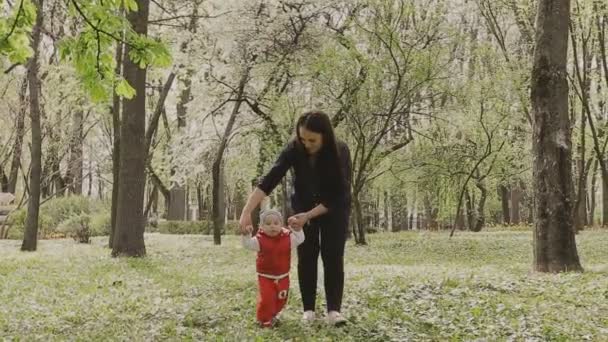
[{"x": 329, "y": 155}]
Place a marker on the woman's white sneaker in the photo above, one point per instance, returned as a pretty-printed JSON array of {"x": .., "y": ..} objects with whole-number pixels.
[
  {"x": 335, "y": 318},
  {"x": 308, "y": 316}
]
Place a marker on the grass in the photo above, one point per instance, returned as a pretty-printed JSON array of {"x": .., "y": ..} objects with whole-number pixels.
[{"x": 404, "y": 286}]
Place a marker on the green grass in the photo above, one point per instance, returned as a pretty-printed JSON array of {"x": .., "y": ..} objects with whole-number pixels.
[{"x": 403, "y": 286}]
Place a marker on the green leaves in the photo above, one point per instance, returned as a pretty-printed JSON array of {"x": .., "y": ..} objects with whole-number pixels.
[
  {"x": 15, "y": 30},
  {"x": 124, "y": 89},
  {"x": 146, "y": 51},
  {"x": 92, "y": 52},
  {"x": 130, "y": 5}
]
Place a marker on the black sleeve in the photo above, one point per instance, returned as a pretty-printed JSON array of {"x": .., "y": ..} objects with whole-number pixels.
[
  {"x": 285, "y": 161},
  {"x": 343, "y": 198}
]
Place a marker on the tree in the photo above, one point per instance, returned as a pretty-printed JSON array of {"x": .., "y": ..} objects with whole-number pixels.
[
  {"x": 129, "y": 234},
  {"x": 554, "y": 239},
  {"x": 30, "y": 238},
  {"x": 391, "y": 53}
]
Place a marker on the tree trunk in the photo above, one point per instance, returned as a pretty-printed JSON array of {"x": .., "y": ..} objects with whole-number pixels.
[
  {"x": 411, "y": 221},
  {"x": 516, "y": 195},
  {"x": 177, "y": 203},
  {"x": 177, "y": 197},
  {"x": 129, "y": 234},
  {"x": 115, "y": 145},
  {"x": 480, "y": 217},
  {"x": 592, "y": 195},
  {"x": 604, "y": 199},
  {"x": 90, "y": 179},
  {"x": 580, "y": 216},
  {"x": 393, "y": 222},
  {"x": 100, "y": 187},
  {"x": 504, "y": 198},
  {"x": 200, "y": 196},
  {"x": 3, "y": 180},
  {"x": 359, "y": 228},
  {"x": 469, "y": 209},
  {"x": 554, "y": 239},
  {"x": 285, "y": 206},
  {"x": 459, "y": 222},
  {"x": 74, "y": 174},
  {"x": 18, "y": 145},
  {"x": 430, "y": 214},
  {"x": 217, "y": 190},
  {"x": 30, "y": 236}
]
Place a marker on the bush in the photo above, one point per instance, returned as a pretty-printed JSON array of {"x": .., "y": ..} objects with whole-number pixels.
[
  {"x": 59, "y": 211},
  {"x": 16, "y": 224},
  {"x": 100, "y": 223},
  {"x": 180, "y": 227},
  {"x": 191, "y": 227},
  {"x": 77, "y": 227}
]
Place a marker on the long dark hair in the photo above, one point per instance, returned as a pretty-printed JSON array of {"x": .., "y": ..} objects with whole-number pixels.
[{"x": 329, "y": 155}]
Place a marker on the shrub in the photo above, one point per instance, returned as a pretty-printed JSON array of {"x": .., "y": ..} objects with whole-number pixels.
[
  {"x": 77, "y": 227},
  {"x": 100, "y": 223},
  {"x": 180, "y": 227},
  {"x": 191, "y": 227},
  {"x": 56, "y": 212}
]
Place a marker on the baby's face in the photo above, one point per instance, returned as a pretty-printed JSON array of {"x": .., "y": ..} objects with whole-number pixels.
[{"x": 272, "y": 225}]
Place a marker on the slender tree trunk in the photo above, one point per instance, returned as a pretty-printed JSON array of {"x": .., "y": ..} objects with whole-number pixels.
[
  {"x": 359, "y": 230},
  {"x": 30, "y": 236},
  {"x": 129, "y": 234},
  {"x": 177, "y": 203},
  {"x": 3, "y": 180},
  {"x": 115, "y": 145},
  {"x": 177, "y": 198},
  {"x": 592, "y": 194},
  {"x": 480, "y": 217},
  {"x": 504, "y": 198},
  {"x": 459, "y": 222},
  {"x": 100, "y": 187},
  {"x": 394, "y": 222},
  {"x": 604, "y": 199},
  {"x": 285, "y": 207},
  {"x": 74, "y": 174},
  {"x": 554, "y": 239},
  {"x": 200, "y": 201},
  {"x": 516, "y": 195},
  {"x": 469, "y": 209},
  {"x": 430, "y": 213},
  {"x": 90, "y": 179},
  {"x": 217, "y": 193},
  {"x": 18, "y": 145}
]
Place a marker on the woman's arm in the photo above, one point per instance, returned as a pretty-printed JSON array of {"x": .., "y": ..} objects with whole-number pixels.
[
  {"x": 267, "y": 184},
  {"x": 299, "y": 220},
  {"x": 253, "y": 201}
]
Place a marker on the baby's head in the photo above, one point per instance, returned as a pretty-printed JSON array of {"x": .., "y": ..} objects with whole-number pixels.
[{"x": 271, "y": 222}]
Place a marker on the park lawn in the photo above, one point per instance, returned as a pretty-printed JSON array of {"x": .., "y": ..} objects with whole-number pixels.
[{"x": 403, "y": 286}]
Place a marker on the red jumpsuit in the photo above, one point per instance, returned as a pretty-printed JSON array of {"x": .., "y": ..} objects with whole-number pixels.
[{"x": 272, "y": 264}]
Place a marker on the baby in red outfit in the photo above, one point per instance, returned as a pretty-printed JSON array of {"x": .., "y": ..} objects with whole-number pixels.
[{"x": 274, "y": 243}]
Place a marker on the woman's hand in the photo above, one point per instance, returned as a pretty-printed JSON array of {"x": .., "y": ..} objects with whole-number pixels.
[
  {"x": 245, "y": 223},
  {"x": 298, "y": 221}
]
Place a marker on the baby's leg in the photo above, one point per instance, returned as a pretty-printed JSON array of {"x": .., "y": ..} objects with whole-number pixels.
[
  {"x": 267, "y": 301},
  {"x": 282, "y": 294}
]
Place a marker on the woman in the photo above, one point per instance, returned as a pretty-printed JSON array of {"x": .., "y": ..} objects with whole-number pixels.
[{"x": 321, "y": 198}]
